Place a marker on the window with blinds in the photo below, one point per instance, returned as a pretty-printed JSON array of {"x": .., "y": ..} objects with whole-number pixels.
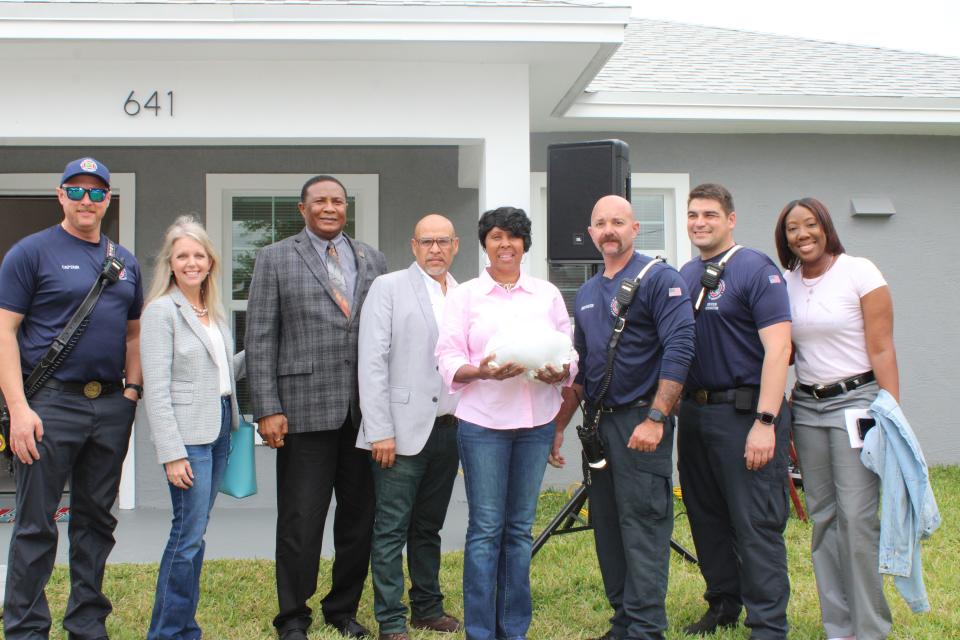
[
  {"x": 255, "y": 222},
  {"x": 648, "y": 210}
]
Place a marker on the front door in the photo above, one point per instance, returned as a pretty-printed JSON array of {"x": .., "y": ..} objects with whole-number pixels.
[{"x": 21, "y": 215}]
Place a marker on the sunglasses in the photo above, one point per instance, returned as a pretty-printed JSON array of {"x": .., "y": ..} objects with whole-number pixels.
[{"x": 76, "y": 193}]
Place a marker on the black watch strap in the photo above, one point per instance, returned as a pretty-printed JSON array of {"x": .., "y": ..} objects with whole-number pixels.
[
  {"x": 656, "y": 415},
  {"x": 135, "y": 387},
  {"x": 766, "y": 417}
]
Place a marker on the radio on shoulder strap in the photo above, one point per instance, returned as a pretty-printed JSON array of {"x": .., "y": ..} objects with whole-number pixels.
[{"x": 710, "y": 278}]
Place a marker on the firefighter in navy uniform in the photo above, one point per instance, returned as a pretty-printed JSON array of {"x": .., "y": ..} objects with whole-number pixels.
[
  {"x": 631, "y": 501},
  {"x": 77, "y": 426},
  {"x": 733, "y": 438}
]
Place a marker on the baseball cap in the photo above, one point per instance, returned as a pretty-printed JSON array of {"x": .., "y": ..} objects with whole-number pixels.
[{"x": 86, "y": 166}]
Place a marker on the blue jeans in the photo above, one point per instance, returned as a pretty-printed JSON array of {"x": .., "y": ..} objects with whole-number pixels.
[
  {"x": 178, "y": 582},
  {"x": 503, "y": 470}
]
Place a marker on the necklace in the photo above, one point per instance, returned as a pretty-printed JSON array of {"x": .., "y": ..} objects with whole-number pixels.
[
  {"x": 200, "y": 311},
  {"x": 506, "y": 286},
  {"x": 812, "y": 282}
]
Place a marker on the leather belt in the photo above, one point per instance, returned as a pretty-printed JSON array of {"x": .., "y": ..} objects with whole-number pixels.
[
  {"x": 705, "y": 396},
  {"x": 824, "y": 391},
  {"x": 639, "y": 402},
  {"x": 448, "y": 420},
  {"x": 90, "y": 390}
]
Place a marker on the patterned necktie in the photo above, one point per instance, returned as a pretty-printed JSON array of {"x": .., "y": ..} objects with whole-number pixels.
[{"x": 337, "y": 280}]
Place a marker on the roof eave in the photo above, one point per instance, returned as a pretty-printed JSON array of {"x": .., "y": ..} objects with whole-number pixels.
[
  {"x": 635, "y": 111},
  {"x": 271, "y": 21}
]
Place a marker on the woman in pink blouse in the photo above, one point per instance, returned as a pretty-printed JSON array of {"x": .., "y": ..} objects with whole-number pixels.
[{"x": 507, "y": 426}]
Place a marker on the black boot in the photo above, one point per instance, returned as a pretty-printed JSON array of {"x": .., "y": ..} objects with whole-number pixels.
[{"x": 719, "y": 615}]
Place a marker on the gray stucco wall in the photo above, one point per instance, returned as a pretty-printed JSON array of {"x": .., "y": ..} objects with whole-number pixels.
[
  {"x": 915, "y": 249},
  {"x": 171, "y": 181},
  {"x": 762, "y": 171}
]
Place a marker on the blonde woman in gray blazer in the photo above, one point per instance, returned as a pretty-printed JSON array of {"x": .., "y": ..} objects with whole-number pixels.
[{"x": 190, "y": 406}]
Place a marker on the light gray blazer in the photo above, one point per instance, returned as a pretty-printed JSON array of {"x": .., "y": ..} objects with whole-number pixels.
[
  {"x": 399, "y": 381},
  {"x": 181, "y": 383}
]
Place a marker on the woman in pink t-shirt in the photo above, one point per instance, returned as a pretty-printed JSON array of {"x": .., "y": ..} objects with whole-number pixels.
[
  {"x": 843, "y": 334},
  {"x": 507, "y": 428}
]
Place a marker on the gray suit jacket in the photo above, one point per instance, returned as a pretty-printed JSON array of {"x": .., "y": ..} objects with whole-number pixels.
[
  {"x": 181, "y": 382},
  {"x": 301, "y": 349},
  {"x": 399, "y": 381}
]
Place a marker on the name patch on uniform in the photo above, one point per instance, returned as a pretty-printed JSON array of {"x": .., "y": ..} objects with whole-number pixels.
[
  {"x": 774, "y": 279},
  {"x": 68, "y": 267},
  {"x": 673, "y": 292},
  {"x": 586, "y": 306}
]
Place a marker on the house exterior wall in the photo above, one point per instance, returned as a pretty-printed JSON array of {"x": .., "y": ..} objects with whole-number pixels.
[
  {"x": 170, "y": 182},
  {"x": 915, "y": 249},
  {"x": 248, "y": 102},
  {"x": 762, "y": 171}
]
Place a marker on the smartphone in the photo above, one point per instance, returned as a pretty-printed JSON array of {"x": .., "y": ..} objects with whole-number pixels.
[{"x": 864, "y": 425}]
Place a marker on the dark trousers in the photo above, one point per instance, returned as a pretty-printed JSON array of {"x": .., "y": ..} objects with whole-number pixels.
[
  {"x": 632, "y": 508},
  {"x": 412, "y": 500},
  {"x": 84, "y": 441},
  {"x": 310, "y": 468},
  {"x": 737, "y": 516}
]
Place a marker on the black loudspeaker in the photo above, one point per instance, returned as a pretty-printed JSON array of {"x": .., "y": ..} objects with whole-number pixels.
[{"x": 579, "y": 174}]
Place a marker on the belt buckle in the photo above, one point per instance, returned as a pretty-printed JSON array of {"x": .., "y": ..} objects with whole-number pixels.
[
  {"x": 815, "y": 391},
  {"x": 701, "y": 396},
  {"x": 92, "y": 389}
]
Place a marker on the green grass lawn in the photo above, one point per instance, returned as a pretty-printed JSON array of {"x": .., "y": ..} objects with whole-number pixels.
[{"x": 239, "y": 599}]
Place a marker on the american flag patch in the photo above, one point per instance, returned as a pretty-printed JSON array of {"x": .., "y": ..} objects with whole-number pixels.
[
  {"x": 774, "y": 279},
  {"x": 673, "y": 292}
]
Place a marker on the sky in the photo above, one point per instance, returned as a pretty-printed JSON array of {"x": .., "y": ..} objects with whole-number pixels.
[{"x": 927, "y": 26}]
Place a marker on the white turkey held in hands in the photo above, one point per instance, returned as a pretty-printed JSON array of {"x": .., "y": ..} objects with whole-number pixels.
[{"x": 532, "y": 347}]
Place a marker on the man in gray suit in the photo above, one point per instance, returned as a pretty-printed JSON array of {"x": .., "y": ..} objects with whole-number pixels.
[
  {"x": 301, "y": 341},
  {"x": 408, "y": 424}
]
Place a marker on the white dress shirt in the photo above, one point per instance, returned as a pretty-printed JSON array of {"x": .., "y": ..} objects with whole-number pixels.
[{"x": 447, "y": 403}]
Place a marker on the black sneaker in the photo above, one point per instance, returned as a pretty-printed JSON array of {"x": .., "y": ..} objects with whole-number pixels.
[{"x": 716, "y": 617}]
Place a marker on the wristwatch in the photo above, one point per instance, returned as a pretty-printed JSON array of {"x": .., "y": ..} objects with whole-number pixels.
[
  {"x": 766, "y": 417},
  {"x": 656, "y": 415},
  {"x": 135, "y": 387}
]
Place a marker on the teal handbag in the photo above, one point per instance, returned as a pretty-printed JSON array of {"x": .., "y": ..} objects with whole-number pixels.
[{"x": 240, "y": 478}]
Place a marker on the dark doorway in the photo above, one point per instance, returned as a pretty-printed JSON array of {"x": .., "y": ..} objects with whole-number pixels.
[
  {"x": 19, "y": 217},
  {"x": 22, "y": 215}
]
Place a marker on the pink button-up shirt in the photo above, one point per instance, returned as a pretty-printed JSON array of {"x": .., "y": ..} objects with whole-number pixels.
[{"x": 474, "y": 313}]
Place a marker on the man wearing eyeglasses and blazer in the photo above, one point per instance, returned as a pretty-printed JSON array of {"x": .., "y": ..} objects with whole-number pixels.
[
  {"x": 409, "y": 426},
  {"x": 76, "y": 427},
  {"x": 303, "y": 318}
]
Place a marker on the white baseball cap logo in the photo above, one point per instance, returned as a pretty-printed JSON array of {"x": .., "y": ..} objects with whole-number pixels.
[{"x": 87, "y": 164}]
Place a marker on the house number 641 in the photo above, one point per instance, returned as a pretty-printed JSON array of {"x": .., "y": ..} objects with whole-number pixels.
[{"x": 133, "y": 107}]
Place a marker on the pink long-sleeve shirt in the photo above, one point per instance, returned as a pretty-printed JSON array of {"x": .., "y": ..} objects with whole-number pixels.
[{"x": 475, "y": 311}]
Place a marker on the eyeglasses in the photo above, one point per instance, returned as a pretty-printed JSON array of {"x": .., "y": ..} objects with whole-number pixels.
[
  {"x": 426, "y": 243},
  {"x": 76, "y": 193}
]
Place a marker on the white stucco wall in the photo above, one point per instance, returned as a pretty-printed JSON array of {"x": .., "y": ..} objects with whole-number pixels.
[{"x": 290, "y": 102}]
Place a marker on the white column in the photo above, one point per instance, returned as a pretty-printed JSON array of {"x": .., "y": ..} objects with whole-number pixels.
[{"x": 505, "y": 166}]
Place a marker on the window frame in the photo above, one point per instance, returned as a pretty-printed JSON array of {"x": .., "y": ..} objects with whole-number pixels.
[
  {"x": 221, "y": 188},
  {"x": 364, "y": 188},
  {"x": 677, "y": 183},
  {"x": 123, "y": 186}
]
